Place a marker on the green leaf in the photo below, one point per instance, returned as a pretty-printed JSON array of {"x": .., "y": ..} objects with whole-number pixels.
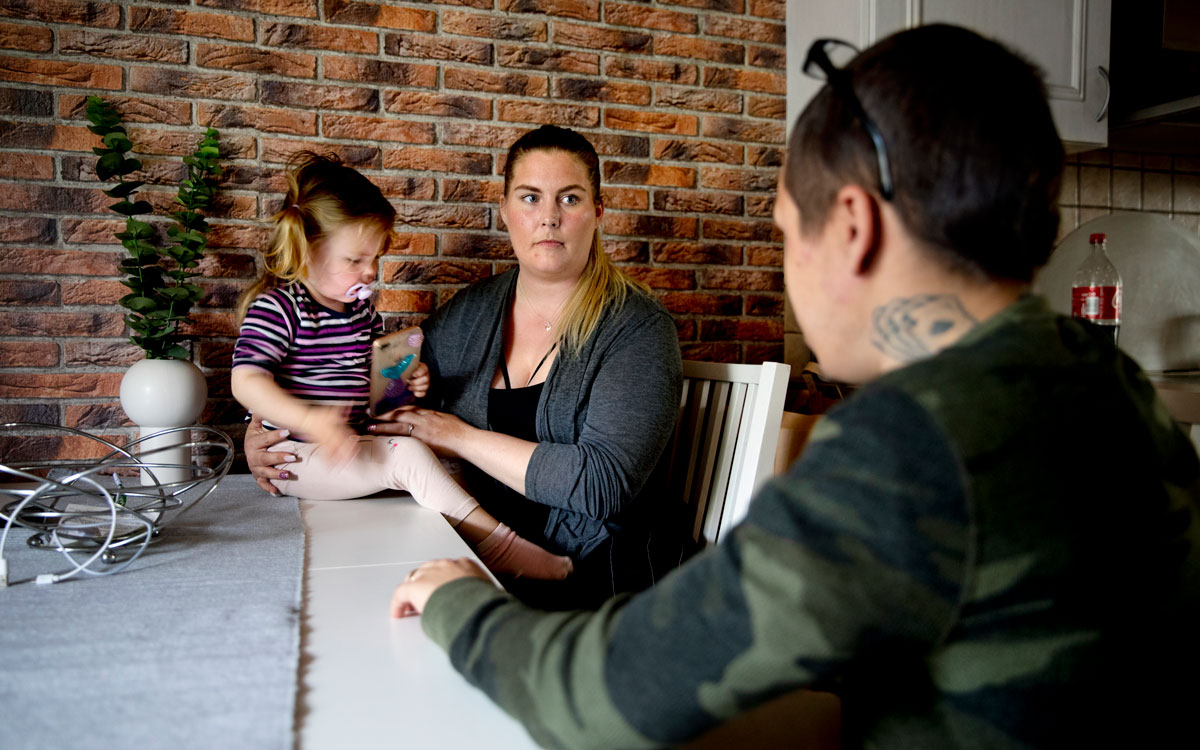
[
  {"x": 124, "y": 190},
  {"x": 118, "y": 141},
  {"x": 174, "y": 293},
  {"x": 140, "y": 232},
  {"x": 137, "y": 304},
  {"x": 132, "y": 209},
  {"x": 177, "y": 352}
]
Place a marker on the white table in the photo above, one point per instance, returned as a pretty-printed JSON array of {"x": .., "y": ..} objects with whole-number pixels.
[{"x": 367, "y": 680}]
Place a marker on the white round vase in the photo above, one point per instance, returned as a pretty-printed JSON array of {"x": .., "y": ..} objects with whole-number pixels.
[{"x": 158, "y": 394}]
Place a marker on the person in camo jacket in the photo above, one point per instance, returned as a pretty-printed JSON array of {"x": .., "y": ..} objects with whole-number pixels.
[{"x": 992, "y": 543}]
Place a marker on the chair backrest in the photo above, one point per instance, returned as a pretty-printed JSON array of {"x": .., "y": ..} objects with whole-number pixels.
[{"x": 725, "y": 437}]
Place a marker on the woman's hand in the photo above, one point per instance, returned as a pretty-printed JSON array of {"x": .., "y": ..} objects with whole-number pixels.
[
  {"x": 411, "y": 596},
  {"x": 260, "y": 460},
  {"x": 419, "y": 382},
  {"x": 326, "y": 425},
  {"x": 443, "y": 432}
]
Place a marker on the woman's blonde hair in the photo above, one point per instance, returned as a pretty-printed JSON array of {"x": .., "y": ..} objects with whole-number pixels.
[
  {"x": 322, "y": 195},
  {"x": 602, "y": 285}
]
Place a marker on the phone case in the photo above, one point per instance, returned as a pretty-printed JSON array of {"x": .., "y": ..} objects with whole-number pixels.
[{"x": 394, "y": 358}]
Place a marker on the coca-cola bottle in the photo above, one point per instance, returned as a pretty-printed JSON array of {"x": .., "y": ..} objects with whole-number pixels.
[{"x": 1096, "y": 289}]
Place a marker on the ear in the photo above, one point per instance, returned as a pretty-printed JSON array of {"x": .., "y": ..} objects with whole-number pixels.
[
  {"x": 857, "y": 225},
  {"x": 504, "y": 209},
  {"x": 599, "y": 209}
]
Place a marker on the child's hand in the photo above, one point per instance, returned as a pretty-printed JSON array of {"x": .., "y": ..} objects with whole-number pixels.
[
  {"x": 326, "y": 426},
  {"x": 419, "y": 382}
]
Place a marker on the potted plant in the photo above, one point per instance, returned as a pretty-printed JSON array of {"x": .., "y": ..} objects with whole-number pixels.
[{"x": 165, "y": 389}]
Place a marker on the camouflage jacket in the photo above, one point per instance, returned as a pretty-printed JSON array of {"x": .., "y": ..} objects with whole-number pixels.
[{"x": 997, "y": 546}]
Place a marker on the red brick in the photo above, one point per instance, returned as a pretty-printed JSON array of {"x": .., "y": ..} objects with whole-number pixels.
[
  {"x": 663, "y": 278},
  {"x": 191, "y": 84},
  {"x": 38, "y": 135},
  {"x": 737, "y": 179},
  {"x": 627, "y": 251},
  {"x": 227, "y": 206},
  {"x": 591, "y": 89},
  {"x": 699, "y": 253},
  {"x": 262, "y": 119},
  {"x": 768, "y": 9},
  {"x": 702, "y": 49},
  {"x": 226, "y": 236},
  {"x": 731, "y": 229},
  {"x": 764, "y": 256},
  {"x": 355, "y": 127},
  {"x": 702, "y": 303},
  {"x": 28, "y": 292},
  {"x": 220, "y": 295},
  {"x": 565, "y": 61},
  {"x": 377, "y": 71},
  {"x": 29, "y": 229},
  {"x": 759, "y": 353},
  {"x": 218, "y": 265},
  {"x": 250, "y": 59},
  {"x": 640, "y": 225},
  {"x": 210, "y": 324},
  {"x": 610, "y": 144},
  {"x": 27, "y": 354},
  {"x": 473, "y": 191},
  {"x": 741, "y": 330},
  {"x": 745, "y": 80},
  {"x": 743, "y": 28},
  {"x": 726, "y": 278},
  {"x": 584, "y": 10},
  {"x": 92, "y": 292},
  {"x": 93, "y": 14},
  {"x": 25, "y": 166},
  {"x": 53, "y": 200},
  {"x": 491, "y": 26},
  {"x": 215, "y": 354},
  {"x": 742, "y": 130},
  {"x": 627, "y": 199},
  {"x": 191, "y": 23},
  {"x": 43, "y": 323},
  {"x": 766, "y": 57},
  {"x": 760, "y": 205},
  {"x": 435, "y": 272},
  {"x": 381, "y": 16},
  {"x": 685, "y": 330},
  {"x": 481, "y": 246},
  {"x": 154, "y": 171},
  {"x": 691, "y": 98},
  {"x": 766, "y": 305},
  {"x": 648, "y": 174},
  {"x": 488, "y": 136},
  {"x": 89, "y": 417},
  {"x": 704, "y": 150},
  {"x": 712, "y": 352},
  {"x": 641, "y": 17},
  {"x": 303, "y": 36},
  {"x": 650, "y": 122},
  {"x": 767, "y": 106},
  {"x": 405, "y": 300},
  {"x": 56, "y": 447},
  {"x": 318, "y": 96},
  {"x": 28, "y": 102},
  {"x": 437, "y": 160},
  {"x": 568, "y": 115},
  {"x": 611, "y": 40},
  {"x": 439, "y": 105},
  {"x": 519, "y": 84},
  {"x": 444, "y": 217},
  {"x": 158, "y": 111},
  {"x": 59, "y": 73},
  {"x": 101, "y": 353},
  {"x": 122, "y": 46},
  {"x": 297, "y": 8},
  {"x": 183, "y": 142},
  {"x": 652, "y": 70},
  {"x": 252, "y": 177},
  {"x": 764, "y": 156},
  {"x": 88, "y": 232},
  {"x": 359, "y": 156},
  {"x": 438, "y": 47},
  {"x": 697, "y": 202},
  {"x": 411, "y": 243},
  {"x": 727, "y": 6},
  {"x": 405, "y": 187},
  {"x": 25, "y": 37}
]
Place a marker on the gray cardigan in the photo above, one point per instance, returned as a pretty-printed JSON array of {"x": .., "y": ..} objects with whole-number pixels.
[{"x": 604, "y": 416}]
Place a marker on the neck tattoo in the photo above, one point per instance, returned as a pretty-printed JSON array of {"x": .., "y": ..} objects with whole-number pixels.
[
  {"x": 910, "y": 328},
  {"x": 548, "y": 322}
]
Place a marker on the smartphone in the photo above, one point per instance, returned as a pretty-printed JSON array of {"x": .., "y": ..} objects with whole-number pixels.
[{"x": 394, "y": 359}]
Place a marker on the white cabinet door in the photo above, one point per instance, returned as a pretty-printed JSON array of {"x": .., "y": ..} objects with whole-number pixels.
[{"x": 1068, "y": 39}]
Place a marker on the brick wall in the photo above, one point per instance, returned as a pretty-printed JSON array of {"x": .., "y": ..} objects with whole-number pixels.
[{"x": 684, "y": 101}]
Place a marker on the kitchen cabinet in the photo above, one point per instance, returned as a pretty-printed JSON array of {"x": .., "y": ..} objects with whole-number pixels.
[{"x": 1068, "y": 39}]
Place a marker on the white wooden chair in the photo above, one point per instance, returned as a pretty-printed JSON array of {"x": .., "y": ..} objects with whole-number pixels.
[{"x": 725, "y": 437}]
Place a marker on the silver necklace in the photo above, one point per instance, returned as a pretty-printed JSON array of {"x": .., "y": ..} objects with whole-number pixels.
[{"x": 548, "y": 322}]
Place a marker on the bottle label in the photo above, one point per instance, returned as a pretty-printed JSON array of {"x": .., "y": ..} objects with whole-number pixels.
[{"x": 1099, "y": 303}]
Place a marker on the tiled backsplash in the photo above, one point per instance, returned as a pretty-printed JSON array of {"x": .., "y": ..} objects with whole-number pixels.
[{"x": 1096, "y": 183}]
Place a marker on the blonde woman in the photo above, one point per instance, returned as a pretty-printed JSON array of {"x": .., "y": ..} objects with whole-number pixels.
[{"x": 557, "y": 384}]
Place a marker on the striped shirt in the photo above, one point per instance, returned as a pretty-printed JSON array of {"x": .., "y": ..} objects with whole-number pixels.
[{"x": 314, "y": 353}]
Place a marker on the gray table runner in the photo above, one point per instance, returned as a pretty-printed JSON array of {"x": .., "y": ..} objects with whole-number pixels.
[{"x": 196, "y": 645}]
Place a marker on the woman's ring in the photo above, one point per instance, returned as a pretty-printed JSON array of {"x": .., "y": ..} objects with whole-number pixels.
[{"x": 410, "y": 428}]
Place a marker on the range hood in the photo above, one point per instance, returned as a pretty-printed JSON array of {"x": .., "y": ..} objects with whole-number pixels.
[{"x": 1154, "y": 59}]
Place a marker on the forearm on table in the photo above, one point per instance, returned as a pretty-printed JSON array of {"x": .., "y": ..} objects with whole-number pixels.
[{"x": 257, "y": 390}]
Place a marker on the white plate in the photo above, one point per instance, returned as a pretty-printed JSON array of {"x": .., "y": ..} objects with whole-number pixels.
[{"x": 1159, "y": 263}]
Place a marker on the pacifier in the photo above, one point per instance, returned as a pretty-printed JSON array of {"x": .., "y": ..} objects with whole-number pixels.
[{"x": 360, "y": 291}]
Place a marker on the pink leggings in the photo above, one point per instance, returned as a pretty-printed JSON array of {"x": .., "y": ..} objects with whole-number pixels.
[{"x": 382, "y": 463}]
